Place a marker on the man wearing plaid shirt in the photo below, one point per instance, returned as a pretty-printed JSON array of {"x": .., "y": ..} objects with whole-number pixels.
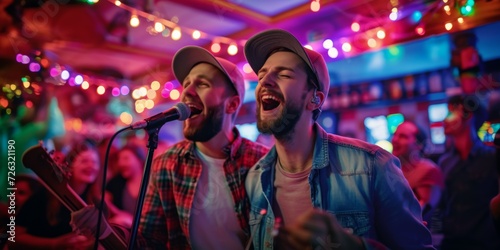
[{"x": 196, "y": 196}]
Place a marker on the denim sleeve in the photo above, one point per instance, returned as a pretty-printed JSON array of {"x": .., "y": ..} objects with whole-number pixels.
[{"x": 398, "y": 216}]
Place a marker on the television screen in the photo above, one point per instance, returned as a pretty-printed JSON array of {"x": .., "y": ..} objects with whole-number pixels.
[
  {"x": 437, "y": 114},
  {"x": 379, "y": 129}
]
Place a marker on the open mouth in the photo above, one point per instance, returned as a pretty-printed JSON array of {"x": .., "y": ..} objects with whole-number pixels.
[
  {"x": 195, "y": 109},
  {"x": 270, "y": 102}
]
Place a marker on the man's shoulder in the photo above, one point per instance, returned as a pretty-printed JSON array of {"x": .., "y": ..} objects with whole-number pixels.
[
  {"x": 179, "y": 148},
  {"x": 253, "y": 147},
  {"x": 348, "y": 143}
]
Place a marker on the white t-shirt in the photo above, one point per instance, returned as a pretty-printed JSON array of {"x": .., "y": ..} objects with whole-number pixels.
[{"x": 213, "y": 222}]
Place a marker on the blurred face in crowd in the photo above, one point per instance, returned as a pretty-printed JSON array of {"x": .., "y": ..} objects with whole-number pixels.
[
  {"x": 456, "y": 120},
  {"x": 128, "y": 164},
  {"x": 404, "y": 140},
  {"x": 85, "y": 167},
  {"x": 205, "y": 92},
  {"x": 281, "y": 94},
  {"x": 23, "y": 192}
]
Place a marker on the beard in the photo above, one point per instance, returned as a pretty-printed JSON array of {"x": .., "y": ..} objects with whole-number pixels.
[
  {"x": 283, "y": 126},
  {"x": 208, "y": 128}
]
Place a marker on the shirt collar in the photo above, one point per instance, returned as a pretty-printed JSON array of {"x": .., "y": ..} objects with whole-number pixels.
[
  {"x": 320, "y": 154},
  {"x": 231, "y": 149}
]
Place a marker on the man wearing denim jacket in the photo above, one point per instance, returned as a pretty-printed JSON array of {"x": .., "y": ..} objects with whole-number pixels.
[{"x": 316, "y": 190}]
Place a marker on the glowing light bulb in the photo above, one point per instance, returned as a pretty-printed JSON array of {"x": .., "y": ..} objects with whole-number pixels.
[
  {"x": 196, "y": 34},
  {"x": 64, "y": 75},
  {"x": 327, "y": 44},
  {"x": 134, "y": 21},
  {"x": 381, "y": 34},
  {"x": 101, "y": 90},
  {"x": 346, "y": 47},
  {"x": 315, "y": 6},
  {"x": 448, "y": 26},
  {"x": 420, "y": 30},
  {"x": 215, "y": 47},
  {"x": 124, "y": 90},
  {"x": 174, "y": 94},
  {"x": 176, "y": 34},
  {"x": 159, "y": 27},
  {"x": 355, "y": 26},
  {"x": 232, "y": 49},
  {"x": 155, "y": 85},
  {"x": 85, "y": 85},
  {"x": 333, "y": 52},
  {"x": 372, "y": 43}
]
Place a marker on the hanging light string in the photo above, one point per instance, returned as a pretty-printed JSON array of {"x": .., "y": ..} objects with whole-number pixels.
[{"x": 198, "y": 34}]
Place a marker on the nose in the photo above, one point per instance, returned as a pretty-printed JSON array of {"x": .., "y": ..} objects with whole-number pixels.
[
  {"x": 267, "y": 80},
  {"x": 189, "y": 90}
]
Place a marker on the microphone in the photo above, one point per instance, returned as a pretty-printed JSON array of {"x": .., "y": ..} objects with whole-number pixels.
[{"x": 179, "y": 111}]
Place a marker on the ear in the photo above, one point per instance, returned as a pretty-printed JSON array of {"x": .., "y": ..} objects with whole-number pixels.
[
  {"x": 312, "y": 105},
  {"x": 232, "y": 104}
]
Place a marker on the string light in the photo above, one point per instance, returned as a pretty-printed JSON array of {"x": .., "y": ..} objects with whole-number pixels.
[
  {"x": 327, "y": 44},
  {"x": 168, "y": 25},
  {"x": 232, "y": 49},
  {"x": 134, "y": 21},
  {"x": 372, "y": 43},
  {"x": 381, "y": 34},
  {"x": 215, "y": 47},
  {"x": 159, "y": 27},
  {"x": 355, "y": 26},
  {"x": 315, "y": 5},
  {"x": 333, "y": 52},
  {"x": 448, "y": 26},
  {"x": 176, "y": 34},
  {"x": 196, "y": 35},
  {"x": 346, "y": 47}
]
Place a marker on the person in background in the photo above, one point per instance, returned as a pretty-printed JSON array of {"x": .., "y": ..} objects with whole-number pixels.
[
  {"x": 470, "y": 177},
  {"x": 26, "y": 186},
  {"x": 196, "y": 197},
  {"x": 43, "y": 222},
  {"x": 123, "y": 189},
  {"x": 423, "y": 175},
  {"x": 314, "y": 189}
]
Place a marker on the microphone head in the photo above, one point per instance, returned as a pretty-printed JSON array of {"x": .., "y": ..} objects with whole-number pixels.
[{"x": 184, "y": 111}]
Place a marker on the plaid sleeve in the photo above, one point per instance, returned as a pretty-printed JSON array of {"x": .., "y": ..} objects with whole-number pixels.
[{"x": 152, "y": 226}]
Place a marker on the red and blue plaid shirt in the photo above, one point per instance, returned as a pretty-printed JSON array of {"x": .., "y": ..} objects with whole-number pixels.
[{"x": 165, "y": 216}]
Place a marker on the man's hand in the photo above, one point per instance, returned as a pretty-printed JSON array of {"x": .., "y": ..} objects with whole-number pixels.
[
  {"x": 317, "y": 229},
  {"x": 84, "y": 221}
]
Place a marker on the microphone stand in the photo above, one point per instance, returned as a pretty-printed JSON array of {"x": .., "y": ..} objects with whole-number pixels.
[{"x": 152, "y": 145}]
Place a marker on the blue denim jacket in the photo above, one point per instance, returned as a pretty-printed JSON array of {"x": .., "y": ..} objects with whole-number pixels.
[{"x": 360, "y": 183}]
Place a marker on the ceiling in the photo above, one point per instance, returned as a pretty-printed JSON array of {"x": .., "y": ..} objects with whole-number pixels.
[{"x": 97, "y": 39}]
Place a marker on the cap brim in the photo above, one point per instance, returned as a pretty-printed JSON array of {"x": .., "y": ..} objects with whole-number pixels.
[
  {"x": 259, "y": 47},
  {"x": 186, "y": 58}
]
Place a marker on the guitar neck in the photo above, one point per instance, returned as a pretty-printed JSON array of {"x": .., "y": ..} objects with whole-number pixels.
[{"x": 71, "y": 200}]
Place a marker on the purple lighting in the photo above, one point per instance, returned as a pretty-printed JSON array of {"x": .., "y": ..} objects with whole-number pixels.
[
  {"x": 115, "y": 91},
  {"x": 34, "y": 67},
  {"x": 25, "y": 60},
  {"x": 125, "y": 90},
  {"x": 64, "y": 75}
]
